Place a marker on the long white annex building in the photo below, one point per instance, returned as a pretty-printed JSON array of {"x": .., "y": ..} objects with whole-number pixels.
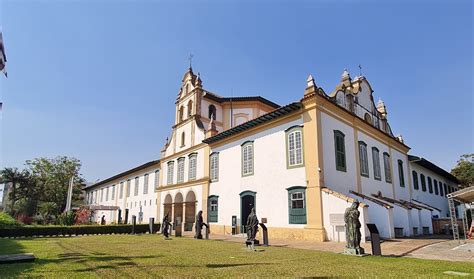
[{"x": 300, "y": 165}]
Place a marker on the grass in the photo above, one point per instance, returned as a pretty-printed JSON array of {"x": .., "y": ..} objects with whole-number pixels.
[{"x": 112, "y": 256}]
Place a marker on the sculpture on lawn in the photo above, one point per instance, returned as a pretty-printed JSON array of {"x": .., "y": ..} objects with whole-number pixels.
[
  {"x": 166, "y": 226},
  {"x": 198, "y": 226},
  {"x": 252, "y": 225},
  {"x": 353, "y": 235}
]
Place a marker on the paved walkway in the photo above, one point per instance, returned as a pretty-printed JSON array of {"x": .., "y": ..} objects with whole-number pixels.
[
  {"x": 440, "y": 248},
  {"x": 448, "y": 250}
]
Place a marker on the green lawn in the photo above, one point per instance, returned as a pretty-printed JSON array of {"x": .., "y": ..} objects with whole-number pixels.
[{"x": 113, "y": 256}]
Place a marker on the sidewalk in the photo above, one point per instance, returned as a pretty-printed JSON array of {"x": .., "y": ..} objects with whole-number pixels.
[{"x": 433, "y": 247}]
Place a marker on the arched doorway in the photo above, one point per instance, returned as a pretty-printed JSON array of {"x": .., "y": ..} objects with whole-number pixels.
[
  {"x": 168, "y": 207},
  {"x": 178, "y": 208},
  {"x": 190, "y": 211},
  {"x": 247, "y": 202}
]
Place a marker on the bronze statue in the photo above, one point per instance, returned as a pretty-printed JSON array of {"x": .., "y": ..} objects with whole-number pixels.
[
  {"x": 353, "y": 235},
  {"x": 252, "y": 225},
  {"x": 198, "y": 226},
  {"x": 165, "y": 226}
]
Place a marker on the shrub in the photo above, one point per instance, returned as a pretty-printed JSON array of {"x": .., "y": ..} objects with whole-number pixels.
[
  {"x": 25, "y": 219},
  {"x": 7, "y": 221},
  {"x": 66, "y": 218},
  {"x": 83, "y": 216},
  {"x": 74, "y": 230}
]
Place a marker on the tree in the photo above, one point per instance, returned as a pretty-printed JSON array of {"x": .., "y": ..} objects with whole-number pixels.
[
  {"x": 464, "y": 170},
  {"x": 52, "y": 178},
  {"x": 14, "y": 177}
]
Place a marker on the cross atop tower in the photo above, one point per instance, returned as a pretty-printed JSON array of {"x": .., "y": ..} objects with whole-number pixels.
[{"x": 190, "y": 60}]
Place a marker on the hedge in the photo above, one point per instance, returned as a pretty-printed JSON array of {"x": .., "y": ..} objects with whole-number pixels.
[{"x": 74, "y": 230}]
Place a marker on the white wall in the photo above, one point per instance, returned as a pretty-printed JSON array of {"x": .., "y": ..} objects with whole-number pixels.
[
  {"x": 370, "y": 185},
  {"x": 338, "y": 181},
  {"x": 437, "y": 201},
  {"x": 147, "y": 201},
  {"x": 270, "y": 179},
  {"x": 401, "y": 193}
]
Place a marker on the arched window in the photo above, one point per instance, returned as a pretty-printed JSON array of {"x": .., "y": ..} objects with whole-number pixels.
[
  {"x": 183, "y": 139},
  {"x": 294, "y": 145},
  {"x": 212, "y": 112},
  {"x": 190, "y": 108},
  {"x": 181, "y": 112}
]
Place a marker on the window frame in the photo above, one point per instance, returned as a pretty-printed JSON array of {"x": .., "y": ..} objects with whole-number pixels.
[
  {"x": 416, "y": 185},
  {"x": 121, "y": 190},
  {"x": 129, "y": 187},
  {"x": 435, "y": 186},
  {"x": 214, "y": 167},
  {"x": 430, "y": 185},
  {"x": 136, "y": 186},
  {"x": 341, "y": 153},
  {"x": 180, "y": 170},
  {"x": 244, "y": 161},
  {"x": 146, "y": 177},
  {"x": 376, "y": 163},
  {"x": 293, "y": 131},
  {"x": 387, "y": 167},
  {"x": 113, "y": 193},
  {"x": 401, "y": 173},
  {"x": 170, "y": 173},
  {"x": 423, "y": 182},
  {"x": 364, "y": 164},
  {"x": 192, "y": 170},
  {"x": 156, "y": 180}
]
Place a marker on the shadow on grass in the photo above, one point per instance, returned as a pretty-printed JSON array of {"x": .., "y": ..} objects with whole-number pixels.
[{"x": 234, "y": 265}]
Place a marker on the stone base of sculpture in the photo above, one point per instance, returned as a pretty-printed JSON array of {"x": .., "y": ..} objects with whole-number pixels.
[
  {"x": 355, "y": 251},
  {"x": 251, "y": 244}
]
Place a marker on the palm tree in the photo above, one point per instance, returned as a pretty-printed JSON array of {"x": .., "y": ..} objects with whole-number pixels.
[{"x": 13, "y": 176}]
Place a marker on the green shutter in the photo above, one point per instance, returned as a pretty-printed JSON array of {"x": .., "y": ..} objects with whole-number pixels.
[
  {"x": 297, "y": 215},
  {"x": 212, "y": 214},
  {"x": 415, "y": 180},
  {"x": 339, "y": 150}
]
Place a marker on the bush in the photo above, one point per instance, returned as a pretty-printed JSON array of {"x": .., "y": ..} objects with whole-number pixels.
[
  {"x": 74, "y": 230},
  {"x": 7, "y": 221},
  {"x": 83, "y": 216},
  {"x": 25, "y": 219},
  {"x": 66, "y": 218}
]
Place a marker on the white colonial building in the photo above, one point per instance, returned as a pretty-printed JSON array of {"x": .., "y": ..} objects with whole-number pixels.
[{"x": 300, "y": 165}]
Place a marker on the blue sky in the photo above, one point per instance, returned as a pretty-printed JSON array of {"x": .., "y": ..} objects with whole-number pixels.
[{"x": 97, "y": 80}]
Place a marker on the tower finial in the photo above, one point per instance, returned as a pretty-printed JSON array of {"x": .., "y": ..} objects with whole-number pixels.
[{"x": 190, "y": 60}]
